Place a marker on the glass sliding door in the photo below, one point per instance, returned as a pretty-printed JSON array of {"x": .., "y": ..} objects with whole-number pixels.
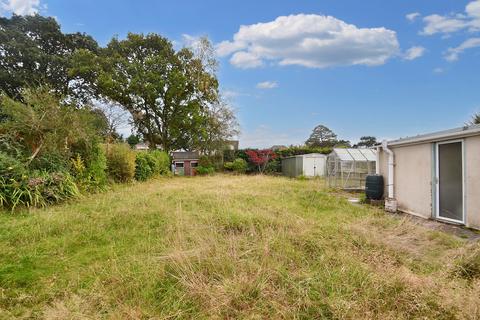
[{"x": 450, "y": 181}]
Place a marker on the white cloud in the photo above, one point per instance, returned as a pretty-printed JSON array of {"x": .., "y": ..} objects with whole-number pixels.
[
  {"x": 267, "y": 85},
  {"x": 438, "y": 70},
  {"x": 470, "y": 20},
  {"x": 414, "y": 53},
  {"x": 20, "y": 7},
  {"x": 453, "y": 53},
  {"x": 311, "y": 40},
  {"x": 412, "y": 16},
  {"x": 246, "y": 60}
]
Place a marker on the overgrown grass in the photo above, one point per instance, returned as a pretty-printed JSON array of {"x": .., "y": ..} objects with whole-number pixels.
[{"x": 230, "y": 247}]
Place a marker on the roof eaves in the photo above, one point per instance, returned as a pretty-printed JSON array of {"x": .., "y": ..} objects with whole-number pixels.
[{"x": 438, "y": 136}]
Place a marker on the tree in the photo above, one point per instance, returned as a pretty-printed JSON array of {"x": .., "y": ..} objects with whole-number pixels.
[
  {"x": 321, "y": 137},
  {"x": 133, "y": 140},
  {"x": 220, "y": 125},
  {"x": 114, "y": 117},
  {"x": 475, "y": 119},
  {"x": 366, "y": 142},
  {"x": 260, "y": 158},
  {"x": 169, "y": 94},
  {"x": 342, "y": 144},
  {"x": 35, "y": 52}
]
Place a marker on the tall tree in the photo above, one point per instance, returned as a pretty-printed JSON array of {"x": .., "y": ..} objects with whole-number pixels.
[
  {"x": 321, "y": 136},
  {"x": 475, "y": 119},
  {"x": 34, "y": 52},
  {"x": 367, "y": 142},
  {"x": 170, "y": 94}
]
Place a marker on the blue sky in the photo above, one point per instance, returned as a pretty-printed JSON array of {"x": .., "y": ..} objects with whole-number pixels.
[{"x": 358, "y": 67}]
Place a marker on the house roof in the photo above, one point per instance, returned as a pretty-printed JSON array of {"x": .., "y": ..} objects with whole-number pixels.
[
  {"x": 455, "y": 133},
  {"x": 352, "y": 154},
  {"x": 185, "y": 155}
]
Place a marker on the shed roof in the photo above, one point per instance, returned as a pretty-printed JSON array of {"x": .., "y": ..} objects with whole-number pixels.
[
  {"x": 309, "y": 155},
  {"x": 460, "y": 132},
  {"x": 185, "y": 155},
  {"x": 351, "y": 154}
]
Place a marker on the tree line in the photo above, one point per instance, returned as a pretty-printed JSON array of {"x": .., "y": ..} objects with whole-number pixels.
[{"x": 171, "y": 95}]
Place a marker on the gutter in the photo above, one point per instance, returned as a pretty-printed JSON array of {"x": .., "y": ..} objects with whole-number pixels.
[{"x": 467, "y": 132}]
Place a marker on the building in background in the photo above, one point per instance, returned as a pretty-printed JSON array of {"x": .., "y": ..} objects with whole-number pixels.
[{"x": 184, "y": 163}]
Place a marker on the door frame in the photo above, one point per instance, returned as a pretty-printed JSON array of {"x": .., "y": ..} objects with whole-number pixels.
[{"x": 437, "y": 182}]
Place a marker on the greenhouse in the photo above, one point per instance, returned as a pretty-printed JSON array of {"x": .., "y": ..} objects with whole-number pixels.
[{"x": 348, "y": 168}]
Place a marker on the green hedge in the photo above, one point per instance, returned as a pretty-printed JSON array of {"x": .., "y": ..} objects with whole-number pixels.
[
  {"x": 120, "y": 162},
  {"x": 151, "y": 163},
  {"x": 238, "y": 166}
]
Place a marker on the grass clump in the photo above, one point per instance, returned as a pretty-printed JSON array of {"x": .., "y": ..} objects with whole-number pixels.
[{"x": 468, "y": 265}]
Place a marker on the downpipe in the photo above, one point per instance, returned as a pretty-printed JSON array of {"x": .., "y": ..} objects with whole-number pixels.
[{"x": 390, "y": 201}]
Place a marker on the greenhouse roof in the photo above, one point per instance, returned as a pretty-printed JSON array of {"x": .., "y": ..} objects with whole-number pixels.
[{"x": 350, "y": 154}]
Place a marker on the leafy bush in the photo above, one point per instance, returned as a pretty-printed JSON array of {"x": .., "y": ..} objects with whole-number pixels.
[
  {"x": 10, "y": 167},
  {"x": 52, "y": 161},
  {"x": 214, "y": 161},
  {"x": 143, "y": 168},
  {"x": 151, "y": 163},
  {"x": 89, "y": 167},
  {"x": 120, "y": 162},
  {"x": 162, "y": 162},
  {"x": 260, "y": 158},
  {"x": 202, "y": 171},
  {"x": 273, "y": 167},
  {"x": 37, "y": 190},
  {"x": 228, "y": 155},
  {"x": 238, "y": 165},
  {"x": 42, "y": 130}
]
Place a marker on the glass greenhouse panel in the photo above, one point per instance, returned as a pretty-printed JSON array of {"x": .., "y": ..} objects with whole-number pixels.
[{"x": 348, "y": 168}]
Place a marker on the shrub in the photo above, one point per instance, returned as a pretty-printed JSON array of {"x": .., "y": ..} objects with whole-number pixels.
[
  {"x": 213, "y": 161},
  {"x": 120, "y": 162},
  {"x": 52, "y": 161},
  {"x": 10, "y": 167},
  {"x": 162, "y": 162},
  {"x": 260, "y": 158},
  {"x": 238, "y": 166},
  {"x": 89, "y": 167},
  {"x": 202, "y": 171},
  {"x": 143, "y": 168},
  {"x": 273, "y": 167},
  {"x": 37, "y": 190},
  {"x": 151, "y": 163},
  {"x": 228, "y": 155}
]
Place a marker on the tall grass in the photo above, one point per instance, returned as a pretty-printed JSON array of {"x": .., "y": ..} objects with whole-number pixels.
[{"x": 221, "y": 247}]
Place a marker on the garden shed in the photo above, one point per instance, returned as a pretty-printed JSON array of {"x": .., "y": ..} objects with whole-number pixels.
[
  {"x": 309, "y": 165},
  {"x": 434, "y": 175},
  {"x": 184, "y": 163},
  {"x": 347, "y": 168}
]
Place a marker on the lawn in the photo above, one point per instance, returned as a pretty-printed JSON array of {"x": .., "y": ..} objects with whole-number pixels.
[{"x": 252, "y": 247}]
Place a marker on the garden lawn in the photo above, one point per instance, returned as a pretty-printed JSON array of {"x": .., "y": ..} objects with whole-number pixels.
[{"x": 230, "y": 247}]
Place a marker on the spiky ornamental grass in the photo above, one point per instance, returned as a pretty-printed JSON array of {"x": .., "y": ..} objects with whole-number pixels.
[{"x": 228, "y": 247}]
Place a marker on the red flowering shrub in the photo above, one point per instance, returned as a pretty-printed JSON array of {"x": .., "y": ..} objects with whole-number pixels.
[{"x": 260, "y": 158}]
